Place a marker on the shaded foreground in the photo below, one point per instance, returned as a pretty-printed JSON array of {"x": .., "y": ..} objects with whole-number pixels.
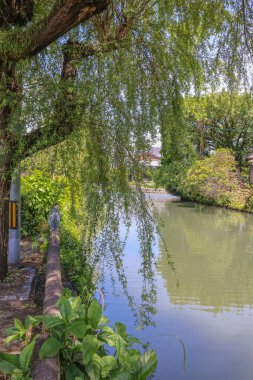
[{"x": 17, "y": 296}]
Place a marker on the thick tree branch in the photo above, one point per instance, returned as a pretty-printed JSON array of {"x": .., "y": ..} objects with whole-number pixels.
[
  {"x": 64, "y": 121},
  {"x": 64, "y": 17},
  {"x": 70, "y": 14},
  {"x": 41, "y": 138}
]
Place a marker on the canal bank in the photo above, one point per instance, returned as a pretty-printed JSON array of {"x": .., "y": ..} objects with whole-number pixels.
[{"x": 213, "y": 180}]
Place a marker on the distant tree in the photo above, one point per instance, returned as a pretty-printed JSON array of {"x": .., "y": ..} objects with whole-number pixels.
[{"x": 226, "y": 122}]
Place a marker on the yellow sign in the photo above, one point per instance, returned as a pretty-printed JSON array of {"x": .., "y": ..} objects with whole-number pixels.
[{"x": 13, "y": 214}]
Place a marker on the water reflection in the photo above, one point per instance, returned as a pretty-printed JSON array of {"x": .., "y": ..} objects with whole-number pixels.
[
  {"x": 213, "y": 252},
  {"x": 211, "y": 310}
]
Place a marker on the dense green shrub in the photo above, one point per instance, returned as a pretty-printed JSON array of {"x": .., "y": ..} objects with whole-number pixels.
[
  {"x": 40, "y": 193},
  {"x": 171, "y": 176},
  {"x": 213, "y": 180},
  {"x": 73, "y": 261},
  {"x": 178, "y": 156}
]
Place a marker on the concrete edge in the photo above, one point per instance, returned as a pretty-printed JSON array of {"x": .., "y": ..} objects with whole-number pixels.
[{"x": 49, "y": 368}]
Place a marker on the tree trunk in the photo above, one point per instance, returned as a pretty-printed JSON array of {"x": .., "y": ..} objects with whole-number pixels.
[{"x": 4, "y": 226}]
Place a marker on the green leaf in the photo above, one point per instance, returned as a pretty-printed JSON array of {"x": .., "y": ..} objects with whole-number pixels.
[
  {"x": 77, "y": 328},
  {"x": 50, "y": 348},
  {"x": 108, "y": 363},
  {"x": 107, "y": 329},
  {"x": 131, "y": 360},
  {"x": 103, "y": 320},
  {"x": 94, "y": 313},
  {"x": 89, "y": 348},
  {"x": 6, "y": 367},
  {"x": 8, "y": 362},
  {"x": 18, "y": 375},
  {"x": 25, "y": 356},
  {"x": 108, "y": 338},
  {"x": 18, "y": 324},
  {"x": 120, "y": 346},
  {"x": 31, "y": 321},
  {"x": 58, "y": 333},
  {"x": 11, "y": 331},
  {"x": 11, "y": 338},
  {"x": 73, "y": 372},
  {"x": 120, "y": 329},
  {"x": 50, "y": 321},
  {"x": 122, "y": 375},
  {"x": 65, "y": 309},
  {"x": 93, "y": 369},
  {"x": 149, "y": 363},
  {"x": 75, "y": 302},
  {"x": 132, "y": 340}
]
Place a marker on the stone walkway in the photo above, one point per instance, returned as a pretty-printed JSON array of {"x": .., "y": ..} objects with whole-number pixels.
[
  {"x": 16, "y": 298},
  {"x": 23, "y": 293}
]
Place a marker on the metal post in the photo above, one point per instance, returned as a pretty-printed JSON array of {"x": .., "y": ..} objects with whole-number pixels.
[
  {"x": 249, "y": 158},
  {"x": 14, "y": 230},
  {"x": 251, "y": 174}
]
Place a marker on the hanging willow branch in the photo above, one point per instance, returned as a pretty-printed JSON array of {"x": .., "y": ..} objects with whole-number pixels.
[{"x": 64, "y": 121}]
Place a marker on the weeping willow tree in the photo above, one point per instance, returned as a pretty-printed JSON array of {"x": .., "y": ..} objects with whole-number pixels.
[{"x": 102, "y": 75}]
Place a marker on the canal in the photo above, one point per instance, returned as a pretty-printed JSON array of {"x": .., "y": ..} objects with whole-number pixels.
[{"x": 204, "y": 320}]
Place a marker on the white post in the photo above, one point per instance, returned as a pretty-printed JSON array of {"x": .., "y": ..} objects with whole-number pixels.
[{"x": 14, "y": 233}]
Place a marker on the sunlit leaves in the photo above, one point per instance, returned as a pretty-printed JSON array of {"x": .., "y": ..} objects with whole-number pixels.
[{"x": 50, "y": 348}]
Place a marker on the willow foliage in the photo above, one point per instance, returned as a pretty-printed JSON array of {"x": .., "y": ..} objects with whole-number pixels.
[{"x": 102, "y": 90}]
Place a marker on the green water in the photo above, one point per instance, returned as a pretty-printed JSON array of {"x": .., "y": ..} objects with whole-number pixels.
[{"x": 204, "y": 321}]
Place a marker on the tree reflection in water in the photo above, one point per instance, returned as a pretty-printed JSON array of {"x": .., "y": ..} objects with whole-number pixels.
[{"x": 212, "y": 249}]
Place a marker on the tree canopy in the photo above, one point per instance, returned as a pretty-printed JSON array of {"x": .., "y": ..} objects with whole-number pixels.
[
  {"x": 222, "y": 120},
  {"x": 103, "y": 75}
]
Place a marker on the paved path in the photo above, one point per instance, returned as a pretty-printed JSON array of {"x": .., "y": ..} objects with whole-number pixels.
[{"x": 15, "y": 292}]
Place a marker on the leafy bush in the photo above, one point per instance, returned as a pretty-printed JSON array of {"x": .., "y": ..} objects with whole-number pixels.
[
  {"x": 73, "y": 261},
  {"x": 40, "y": 193},
  {"x": 216, "y": 180},
  {"x": 171, "y": 176},
  {"x": 213, "y": 180},
  {"x": 88, "y": 348}
]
